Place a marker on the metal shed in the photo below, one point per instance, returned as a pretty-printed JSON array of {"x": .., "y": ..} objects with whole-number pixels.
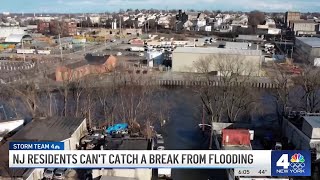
[{"x": 17, "y": 38}]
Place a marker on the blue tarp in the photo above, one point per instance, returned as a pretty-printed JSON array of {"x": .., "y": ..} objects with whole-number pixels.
[{"x": 117, "y": 127}]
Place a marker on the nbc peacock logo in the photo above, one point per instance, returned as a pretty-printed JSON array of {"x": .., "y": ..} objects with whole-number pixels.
[
  {"x": 297, "y": 163},
  {"x": 297, "y": 158}
]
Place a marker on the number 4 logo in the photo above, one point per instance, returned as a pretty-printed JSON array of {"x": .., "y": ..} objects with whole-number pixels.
[{"x": 283, "y": 161}]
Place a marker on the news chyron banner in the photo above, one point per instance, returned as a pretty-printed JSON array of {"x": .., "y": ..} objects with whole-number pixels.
[{"x": 242, "y": 162}]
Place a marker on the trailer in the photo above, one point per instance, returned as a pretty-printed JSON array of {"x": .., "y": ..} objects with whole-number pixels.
[
  {"x": 137, "y": 49},
  {"x": 45, "y": 52},
  {"x": 26, "y": 51}
]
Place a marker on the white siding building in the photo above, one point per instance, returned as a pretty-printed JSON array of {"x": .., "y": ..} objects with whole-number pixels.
[
  {"x": 63, "y": 129},
  {"x": 308, "y": 48},
  {"x": 7, "y": 31},
  {"x": 185, "y": 59}
]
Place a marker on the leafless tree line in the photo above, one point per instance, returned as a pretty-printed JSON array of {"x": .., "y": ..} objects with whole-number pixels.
[{"x": 121, "y": 99}]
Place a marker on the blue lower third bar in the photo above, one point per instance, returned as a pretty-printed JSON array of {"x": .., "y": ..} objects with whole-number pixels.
[{"x": 36, "y": 146}]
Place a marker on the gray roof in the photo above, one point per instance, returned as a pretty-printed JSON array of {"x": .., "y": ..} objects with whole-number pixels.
[
  {"x": 249, "y": 38},
  {"x": 127, "y": 144},
  {"x": 314, "y": 121},
  {"x": 49, "y": 129},
  {"x": 237, "y": 45},
  {"x": 46, "y": 129},
  {"x": 201, "y": 50},
  {"x": 16, "y": 38},
  {"x": 311, "y": 41}
]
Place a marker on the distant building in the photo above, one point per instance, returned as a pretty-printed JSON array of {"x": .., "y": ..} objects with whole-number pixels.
[
  {"x": 94, "y": 65},
  {"x": 7, "y": 31},
  {"x": 291, "y": 16},
  {"x": 303, "y": 27},
  {"x": 64, "y": 28},
  {"x": 18, "y": 38},
  {"x": 155, "y": 58},
  {"x": 237, "y": 45},
  {"x": 186, "y": 59},
  {"x": 43, "y": 27},
  {"x": 308, "y": 49}
]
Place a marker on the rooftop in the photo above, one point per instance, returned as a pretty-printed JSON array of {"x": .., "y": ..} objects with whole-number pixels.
[
  {"x": 311, "y": 41},
  {"x": 37, "y": 130},
  {"x": 236, "y": 45},
  {"x": 314, "y": 121},
  {"x": 249, "y": 38},
  {"x": 217, "y": 51},
  {"x": 303, "y": 21},
  {"x": 127, "y": 143}
]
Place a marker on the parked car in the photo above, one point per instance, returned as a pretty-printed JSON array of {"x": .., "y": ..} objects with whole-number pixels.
[
  {"x": 60, "y": 174},
  {"x": 48, "y": 173}
]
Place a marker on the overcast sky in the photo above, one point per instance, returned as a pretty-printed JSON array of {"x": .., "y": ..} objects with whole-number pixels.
[{"x": 74, "y": 6}]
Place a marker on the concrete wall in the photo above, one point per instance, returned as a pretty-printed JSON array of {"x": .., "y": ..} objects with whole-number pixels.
[
  {"x": 185, "y": 62},
  {"x": 298, "y": 138},
  {"x": 140, "y": 174}
]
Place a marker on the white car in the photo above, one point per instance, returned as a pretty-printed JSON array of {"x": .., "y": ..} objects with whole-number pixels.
[
  {"x": 60, "y": 174},
  {"x": 119, "y": 54},
  {"x": 48, "y": 173}
]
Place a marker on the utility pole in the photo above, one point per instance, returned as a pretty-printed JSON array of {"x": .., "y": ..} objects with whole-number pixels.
[
  {"x": 24, "y": 55},
  {"x": 105, "y": 40},
  {"x": 60, "y": 48},
  {"x": 84, "y": 45},
  {"x": 120, "y": 24}
]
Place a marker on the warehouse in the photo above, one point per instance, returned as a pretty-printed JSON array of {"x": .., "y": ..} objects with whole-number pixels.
[
  {"x": 18, "y": 38},
  {"x": 307, "y": 49},
  {"x": 217, "y": 60}
]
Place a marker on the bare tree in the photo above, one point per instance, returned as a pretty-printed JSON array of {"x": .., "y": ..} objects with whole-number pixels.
[
  {"x": 282, "y": 92},
  {"x": 308, "y": 85},
  {"x": 231, "y": 97}
]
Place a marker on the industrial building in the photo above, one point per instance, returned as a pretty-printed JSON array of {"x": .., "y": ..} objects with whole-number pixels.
[
  {"x": 18, "y": 38},
  {"x": 93, "y": 65},
  {"x": 64, "y": 129},
  {"x": 291, "y": 16},
  {"x": 7, "y": 31},
  {"x": 307, "y": 49},
  {"x": 186, "y": 59},
  {"x": 303, "y": 132},
  {"x": 303, "y": 27}
]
